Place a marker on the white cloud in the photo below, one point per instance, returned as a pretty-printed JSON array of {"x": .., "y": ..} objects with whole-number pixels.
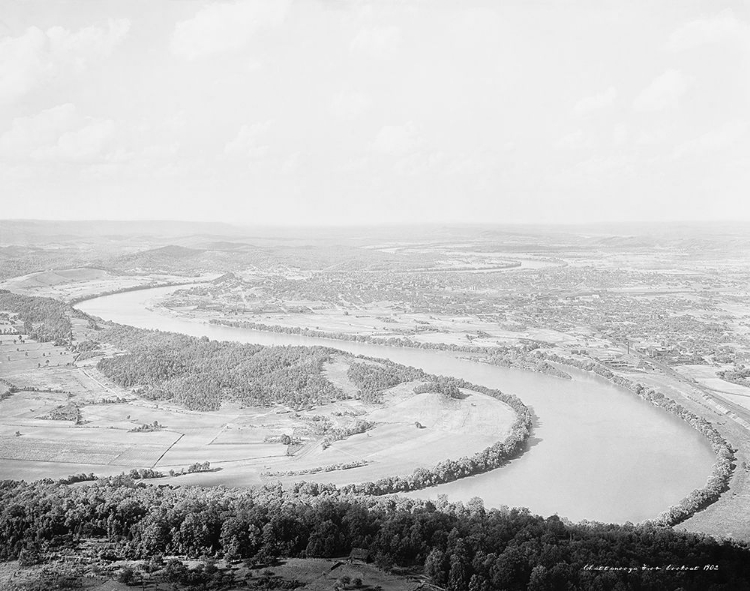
[
  {"x": 717, "y": 29},
  {"x": 378, "y": 42},
  {"x": 598, "y": 101},
  {"x": 602, "y": 166},
  {"x": 713, "y": 141},
  {"x": 419, "y": 163},
  {"x": 246, "y": 143},
  {"x": 665, "y": 91},
  {"x": 574, "y": 140},
  {"x": 221, "y": 27},
  {"x": 28, "y": 133},
  {"x": 397, "y": 140},
  {"x": 350, "y": 104},
  {"x": 472, "y": 164},
  {"x": 36, "y": 56},
  {"x": 291, "y": 164},
  {"x": 146, "y": 163},
  {"x": 620, "y": 134},
  {"x": 84, "y": 144},
  {"x": 159, "y": 152},
  {"x": 88, "y": 43},
  {"x": 22, "y": 63},
  {"x": 651, "y": 138},
  {"x": 14, "y": 173},
  {"x": 59, "y": 134}
]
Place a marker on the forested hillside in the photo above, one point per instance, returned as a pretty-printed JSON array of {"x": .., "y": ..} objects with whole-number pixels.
[
  {"x": 44, "y": 319},
  {"x": 200, "y": 373},
  {"x": 372, "y": 379},
  {"x": 461, "y": 547}
]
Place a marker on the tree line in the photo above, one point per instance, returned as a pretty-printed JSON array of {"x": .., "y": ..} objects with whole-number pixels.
[
  {"x": 373, "y": 378},
  {"x": 461, "y": 547},
  {"x": 44, "y": 319},
  {"x": 738, "y": 375},
  {"x": 721, "y": 473}
]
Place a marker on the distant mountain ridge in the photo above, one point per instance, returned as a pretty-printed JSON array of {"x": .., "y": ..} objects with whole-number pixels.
[{"x": 36, "y": 231}]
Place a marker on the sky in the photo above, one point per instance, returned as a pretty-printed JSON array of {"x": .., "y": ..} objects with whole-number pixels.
[{"x": 336, "y": 112}]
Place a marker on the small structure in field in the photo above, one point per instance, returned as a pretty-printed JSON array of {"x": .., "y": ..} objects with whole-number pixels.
[
  {"x": 360, "y": 555},
  {"x": 418, "y": 425}
]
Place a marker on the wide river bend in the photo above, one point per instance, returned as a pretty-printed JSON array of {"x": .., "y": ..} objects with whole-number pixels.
[{"x": 597, "y": 452}]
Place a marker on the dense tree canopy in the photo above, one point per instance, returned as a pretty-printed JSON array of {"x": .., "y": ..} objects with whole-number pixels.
[
  {"x": 462, "y": 547},
  {"x": 201, "y": 373},
  {"x": 44, "y": 319}
]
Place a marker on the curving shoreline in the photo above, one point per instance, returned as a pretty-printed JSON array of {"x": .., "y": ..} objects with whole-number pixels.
[
  {"x": 450, "y": 470},
  {"x": 84, "y": 298},
  {"x": 408, "y": 344},
  {"x": 716, "y": 483}
]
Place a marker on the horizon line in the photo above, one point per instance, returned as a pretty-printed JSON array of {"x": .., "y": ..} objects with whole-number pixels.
[{"x": 391, "y": 224}]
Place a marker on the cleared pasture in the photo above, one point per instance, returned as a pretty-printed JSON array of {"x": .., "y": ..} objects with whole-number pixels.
[
  {"x": 396, "y": 446},
  {"x": 336, "y": 373},
  {"x": 238, "y": 474},
  {"x": 139, "y": 456},
  {"x": 250, "y": 435},
  {"x": 30, "y": 471},
  {"x": 26, "y": 406},
  {"x": 706, "y": 375},
  {"x": 233, "y": 438},
  {"x": 25, "y": 360},
  {"x": 191, "y": 449},
  {"x": 72, "y": 452}
]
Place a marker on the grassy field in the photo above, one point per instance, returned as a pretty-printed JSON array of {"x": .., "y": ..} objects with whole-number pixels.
[
  {"x": 18, "y": 357},
  {"x": 452, "y": 428},
  {"x": 706, "y": 376},
  {"x": 68, "y": 418}
]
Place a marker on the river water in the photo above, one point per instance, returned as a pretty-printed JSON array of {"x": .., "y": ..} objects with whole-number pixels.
[{"x": 597, "y": 452}]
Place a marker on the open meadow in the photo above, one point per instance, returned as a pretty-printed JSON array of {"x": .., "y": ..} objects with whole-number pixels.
[{"x": 66, "y": 417}]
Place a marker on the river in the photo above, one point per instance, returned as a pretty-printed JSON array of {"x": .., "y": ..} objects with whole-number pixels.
[{"x": 597, "y": 452}]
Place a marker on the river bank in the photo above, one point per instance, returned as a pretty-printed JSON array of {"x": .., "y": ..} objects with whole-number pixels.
[
  {"x": 699, "y": 499},
  {"x": 597, "y": 453}
]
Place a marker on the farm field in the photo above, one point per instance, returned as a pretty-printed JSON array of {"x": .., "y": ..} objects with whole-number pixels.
[
  {"x": 28, "y": 357},
  {"x": 69, "y": 418},
  {"x": 452, "y": 428},
  {"x": 706, "y": 375}
]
